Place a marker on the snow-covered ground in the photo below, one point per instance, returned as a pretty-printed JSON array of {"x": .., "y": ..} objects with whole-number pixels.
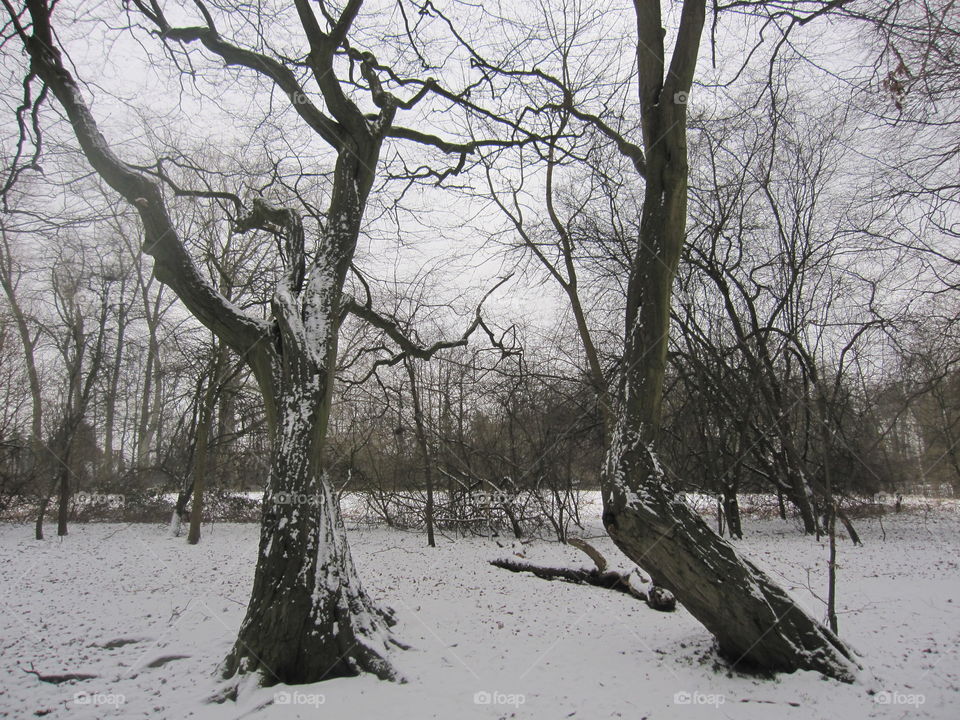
[{"x": 150, "y": 617}]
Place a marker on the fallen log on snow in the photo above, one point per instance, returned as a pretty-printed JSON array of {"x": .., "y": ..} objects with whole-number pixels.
[
  {"x": 58, "y": 679},
  {"x": 631, "y": 583}
]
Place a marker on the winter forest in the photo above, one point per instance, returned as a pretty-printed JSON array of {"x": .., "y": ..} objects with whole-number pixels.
[{"x": 466, "y": 359}]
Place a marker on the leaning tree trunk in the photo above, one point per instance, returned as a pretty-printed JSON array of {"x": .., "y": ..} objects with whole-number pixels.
[{"x": 755, "y": 622}]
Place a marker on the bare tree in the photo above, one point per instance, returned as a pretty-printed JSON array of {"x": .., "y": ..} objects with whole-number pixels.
[
  {"x": 308, "y": 616},
  {"x": 755, "y": 622}
]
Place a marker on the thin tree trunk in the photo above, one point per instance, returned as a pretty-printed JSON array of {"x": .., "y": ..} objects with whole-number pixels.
[
  {"x": 851, "y": 531},
  {"x": 832, "y": 565},
  {"x": 200, "y": 456},
  {"x": 63, "y": 500},
  {"x": 149, "y": 402},
  {"x": 110, "y": 401},
  {"x": 731, "y": 509},
  {"x": 831, "y": 518},
  {"x": 41, "y": 512},
  {"x": 40, "y": 452},
  {"x": 424, "y": 449}
]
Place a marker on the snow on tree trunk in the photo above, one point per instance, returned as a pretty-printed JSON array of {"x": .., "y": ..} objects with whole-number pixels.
[
  {"x": 308, "y": 617},
  {"x": 756, "y": 624}
]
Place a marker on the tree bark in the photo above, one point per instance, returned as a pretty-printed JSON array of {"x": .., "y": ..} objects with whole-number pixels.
[{"x": 308, "y": 617}]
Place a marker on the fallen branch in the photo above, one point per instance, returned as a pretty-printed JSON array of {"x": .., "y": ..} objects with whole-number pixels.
[
  {"x": 653, "y": 595},
  {"x": 58, "y": 679},
  {"x": 598, "y": 559},
  {"x": 631, "y": 583}
]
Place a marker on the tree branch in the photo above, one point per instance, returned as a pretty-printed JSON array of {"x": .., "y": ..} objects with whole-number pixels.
[{"x": 173, "y": 264}]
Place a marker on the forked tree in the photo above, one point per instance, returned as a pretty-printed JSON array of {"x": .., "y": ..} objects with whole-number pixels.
[
  {"x": 308, "y": 617},
  {"x": 755, "y": 622}
]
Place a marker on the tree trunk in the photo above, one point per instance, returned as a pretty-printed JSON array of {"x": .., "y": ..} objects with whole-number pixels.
[
  {"x": 106, "y": 469},
  {"x": 756, "y": 624},
  {"x": 200, "y": 455},
  {"x": 851, "y": 531},
  {"x": 63, "y": 502},
  {"x": 424, "y": 449},
  {"x": 41, "y": 511},
  {"x": 731, "y": 509},
  {"x": 40, "y": 452},
  {"x": 802, "y": 497},
  {"x": 308, "y": 618},
  {"x": 150, "y": 397}
]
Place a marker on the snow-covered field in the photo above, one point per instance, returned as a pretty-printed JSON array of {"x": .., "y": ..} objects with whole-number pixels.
[{"x": 150, "y": 617}]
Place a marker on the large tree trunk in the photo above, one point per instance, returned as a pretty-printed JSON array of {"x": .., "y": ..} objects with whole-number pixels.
[
  {"x": 308, "y": 617},
  {"x": 756, "y": 624}
]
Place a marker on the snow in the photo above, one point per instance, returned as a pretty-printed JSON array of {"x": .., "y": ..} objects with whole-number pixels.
[{"x": 152, "y": 617}]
